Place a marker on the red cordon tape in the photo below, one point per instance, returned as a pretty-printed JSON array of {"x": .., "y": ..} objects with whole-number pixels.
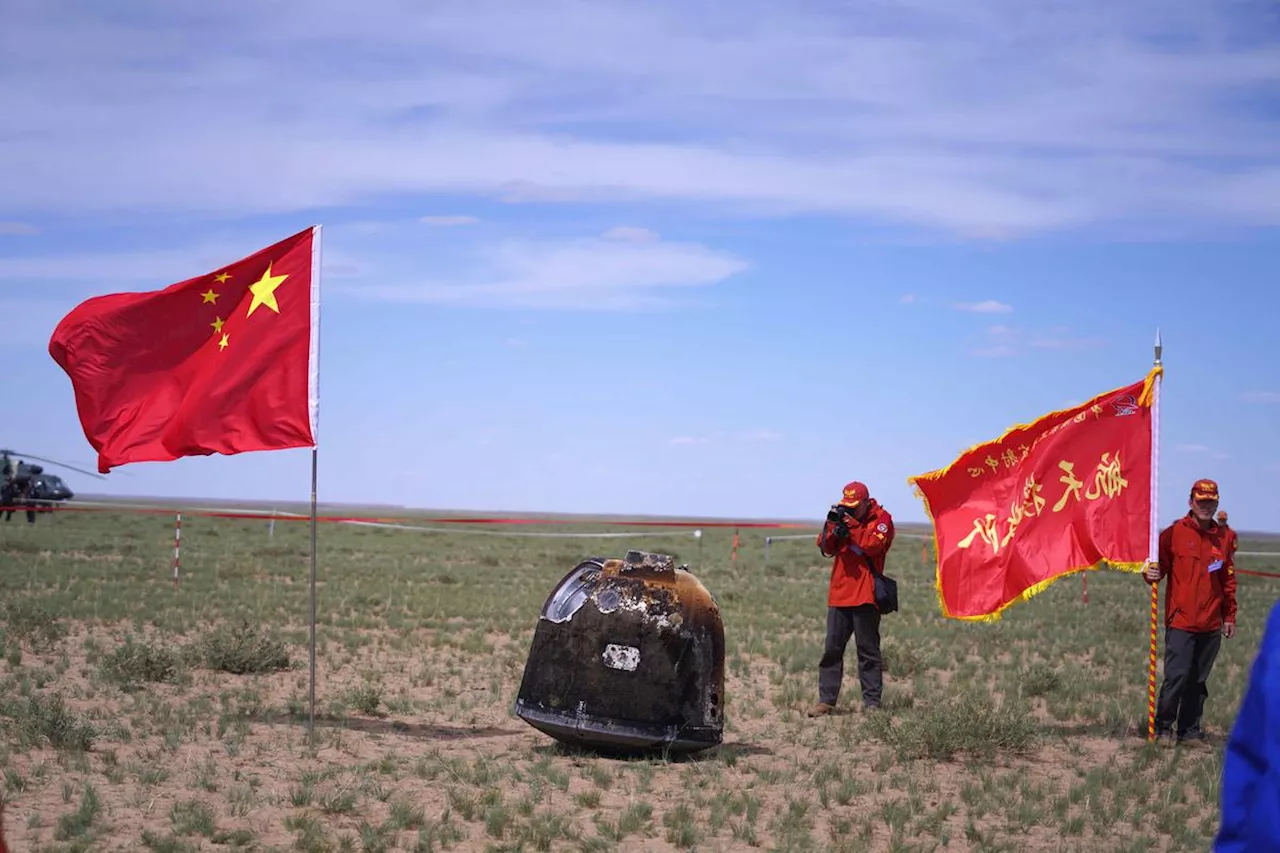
[
  {"x": 266, "y": 515},
  {"x": 1259, "y": 574}
]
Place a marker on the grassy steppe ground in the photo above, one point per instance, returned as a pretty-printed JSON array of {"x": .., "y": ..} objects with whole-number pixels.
[{"x": 135, "y": 716}]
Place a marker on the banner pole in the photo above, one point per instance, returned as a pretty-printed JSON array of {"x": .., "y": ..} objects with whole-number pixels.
[{"x": 1153, "y": 542}]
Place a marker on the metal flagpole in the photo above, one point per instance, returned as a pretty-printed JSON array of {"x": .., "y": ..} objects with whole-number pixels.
[
  {"x": 314, "y": 402},
  {"x": 311, "y": 720},
  {"x": 1153, "y": 541}
]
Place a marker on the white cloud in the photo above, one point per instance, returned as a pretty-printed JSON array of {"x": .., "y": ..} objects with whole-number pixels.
[
  {"x": 688, "y": 439},
  {"x": 18, "y": 229},
  {"x": 588, "y": 274},
  {"x": 1119, "y": 114},
  {"x": 1006, "y": 341},
  {"x": 630, "y": 234},
  {"x": 989, "y": 306},
  {"x": 1261, "y": 397},
  {"x": 160, "y": 267},
  {"x": 763, "y": 435},
  {"x": 448, "y": 221},
  {"x": 150, "y": 270}
]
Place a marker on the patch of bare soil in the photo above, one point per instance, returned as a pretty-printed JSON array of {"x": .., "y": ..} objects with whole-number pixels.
[{"x": 416, "y": 748}]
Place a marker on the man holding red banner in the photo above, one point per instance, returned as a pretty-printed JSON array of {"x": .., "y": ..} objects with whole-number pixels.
[
  {"x": 858, "y": 533},
  {"x": 1200, "y": 609}
]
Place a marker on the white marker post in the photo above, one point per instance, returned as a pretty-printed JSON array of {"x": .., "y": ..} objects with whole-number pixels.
[{"x": 177, "y": 548}]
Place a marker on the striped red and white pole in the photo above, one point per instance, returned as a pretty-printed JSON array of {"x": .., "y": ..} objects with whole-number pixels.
[
  {"x": 1151, "y": 666},
  {"x": 177, "y": 548}
]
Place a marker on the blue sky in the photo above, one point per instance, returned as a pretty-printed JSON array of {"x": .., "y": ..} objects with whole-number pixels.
[{"x": 668, "y": 257}]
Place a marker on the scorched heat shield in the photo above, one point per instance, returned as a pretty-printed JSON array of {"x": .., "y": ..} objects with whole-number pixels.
[{"x": 627, "y": 655}]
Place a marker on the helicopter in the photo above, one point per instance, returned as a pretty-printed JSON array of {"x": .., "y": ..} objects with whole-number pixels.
[{"x": 39, "y": 488}]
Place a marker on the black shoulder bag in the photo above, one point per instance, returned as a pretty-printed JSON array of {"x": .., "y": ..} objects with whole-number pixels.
[{"x": 886, "y": 589}]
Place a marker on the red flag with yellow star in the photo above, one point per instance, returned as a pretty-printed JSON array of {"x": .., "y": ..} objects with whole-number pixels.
[
  {"x": 1067, "y": 493},
  {"x": 226, "y": 362}
]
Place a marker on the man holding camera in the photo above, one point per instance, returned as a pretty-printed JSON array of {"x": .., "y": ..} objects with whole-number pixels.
[{"x": 857, "y": 534}]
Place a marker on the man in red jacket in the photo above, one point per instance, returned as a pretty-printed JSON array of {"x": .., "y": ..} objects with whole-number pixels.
[
  {"x": 1200, "y": 609},
  {"x": 858, "y": 533}
]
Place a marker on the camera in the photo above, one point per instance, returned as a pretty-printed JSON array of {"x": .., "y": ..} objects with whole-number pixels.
[{"x": 841, "y": 515}]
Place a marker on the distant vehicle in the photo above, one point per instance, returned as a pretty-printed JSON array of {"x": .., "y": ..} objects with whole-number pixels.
[{"x": 28, "y": 484}]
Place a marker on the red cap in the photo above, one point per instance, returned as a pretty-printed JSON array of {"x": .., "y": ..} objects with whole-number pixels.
[
  {"x": 1204, "y": 490},
  {"x": 854, "y": 494}
]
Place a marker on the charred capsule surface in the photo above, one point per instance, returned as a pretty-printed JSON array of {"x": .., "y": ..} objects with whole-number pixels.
[{"x": 627, "y": 655}]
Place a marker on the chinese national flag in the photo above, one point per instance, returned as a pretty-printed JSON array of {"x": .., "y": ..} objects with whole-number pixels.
[
  {"x": 1068, "y": 492},
  {"x": 226, "y": 362}
]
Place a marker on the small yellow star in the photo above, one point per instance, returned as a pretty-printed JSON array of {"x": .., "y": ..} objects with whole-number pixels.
[
  {"x": 264, "y": 291},
  {"x": 221, "y": 278},
  {"x": 217, "y": 324},
  {"x": 222, "y": 344},
  {"x": 209, "y": 296}
]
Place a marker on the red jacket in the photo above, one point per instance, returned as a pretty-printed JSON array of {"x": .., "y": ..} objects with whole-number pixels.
[
  {"x": 1199, "y": 565},
  {"x": 851, "y": 581}
]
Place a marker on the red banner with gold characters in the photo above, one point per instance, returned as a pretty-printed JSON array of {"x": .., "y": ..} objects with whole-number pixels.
[{"x": 1068, "y": 492}]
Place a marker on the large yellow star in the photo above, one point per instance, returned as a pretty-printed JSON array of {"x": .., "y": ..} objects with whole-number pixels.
[
  {"x": 264, "y": 291},
  {"x": 209, "y": 296},
  {"x": 217, "y": 324},
  {"x": 222, "y": 344},
  {"x": 221, "y": 278}
]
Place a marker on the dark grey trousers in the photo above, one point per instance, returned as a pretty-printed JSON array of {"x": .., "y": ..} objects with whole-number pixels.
[
  {"x": 1188, "y": 660},
  {"x": 862, "y": 623}
]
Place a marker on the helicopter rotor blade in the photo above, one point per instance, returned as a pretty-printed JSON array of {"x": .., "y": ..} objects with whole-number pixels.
[{"x": 15, "y": 453}]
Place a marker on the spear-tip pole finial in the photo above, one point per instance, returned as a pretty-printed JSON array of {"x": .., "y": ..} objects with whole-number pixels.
[{"x": 1159, "y": 347}]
